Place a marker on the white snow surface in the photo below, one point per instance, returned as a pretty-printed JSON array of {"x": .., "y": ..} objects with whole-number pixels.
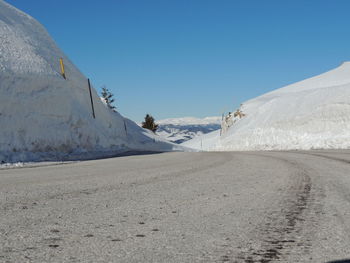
[
  {"x": 179, "y": 130},
  {"x": 310, "y": 114},
  {"x": 45, "y": 117}
]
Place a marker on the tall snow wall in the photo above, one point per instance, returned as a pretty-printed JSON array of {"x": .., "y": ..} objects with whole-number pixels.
[{"x": 43, "y": 115}]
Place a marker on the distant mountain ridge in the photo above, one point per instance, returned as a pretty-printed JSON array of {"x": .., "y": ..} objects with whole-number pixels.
[{"x": 179, "y": 130}]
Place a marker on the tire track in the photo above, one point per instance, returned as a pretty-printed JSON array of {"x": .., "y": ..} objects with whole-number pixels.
[
  {"x": 325, "y": 157},
  {"x": 280, "y": 231}
]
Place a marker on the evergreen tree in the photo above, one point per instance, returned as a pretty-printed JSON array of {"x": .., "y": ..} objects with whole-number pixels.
[
  {"x": 149, "y": 123},
  {"x": 108, "y": 98}
]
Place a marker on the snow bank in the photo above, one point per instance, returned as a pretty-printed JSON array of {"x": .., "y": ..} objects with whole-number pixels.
[
  {"x": 42, "y": 115},
  {"x": 310, "y": 114}
]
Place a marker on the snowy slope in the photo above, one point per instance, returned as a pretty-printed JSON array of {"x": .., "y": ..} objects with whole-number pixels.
[
  {"x": 310, "y": 114},
  {"x": 179, "y": 130},
  {"x": 44, "y": 116}
]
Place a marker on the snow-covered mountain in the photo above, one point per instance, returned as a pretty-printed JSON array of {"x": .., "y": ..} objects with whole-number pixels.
[
  {"x": 179, "y": 130},
  {"x": 43, "y": 115},
  {"x": 310, "y": 114}
]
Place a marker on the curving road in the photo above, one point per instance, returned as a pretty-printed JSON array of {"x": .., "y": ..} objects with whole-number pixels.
[{"x": 180, "y": 207}]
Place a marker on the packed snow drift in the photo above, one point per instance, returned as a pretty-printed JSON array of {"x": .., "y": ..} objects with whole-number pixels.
[
  {"x": 44, "y": 116},
  {"x": 310, "y": 114},
  {"x": 179, "y": 130}
]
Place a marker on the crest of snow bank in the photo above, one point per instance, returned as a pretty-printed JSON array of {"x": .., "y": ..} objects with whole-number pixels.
[
  {"x": 311, "y": 114},
  {"x": 21, "y": 43},
  {"x": 44, "y": 116}
]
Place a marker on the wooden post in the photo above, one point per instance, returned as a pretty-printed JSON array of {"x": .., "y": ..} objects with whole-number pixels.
[
  {"x": 92, "y": 102},
  {"x": 62, "y": 68},
  {"x": 126, "y": 130}
]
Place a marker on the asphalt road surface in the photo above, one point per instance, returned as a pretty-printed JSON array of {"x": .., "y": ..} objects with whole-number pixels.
[{"x": 180, "y": 207}]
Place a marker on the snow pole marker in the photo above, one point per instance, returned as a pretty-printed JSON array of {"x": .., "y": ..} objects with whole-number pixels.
[
  {"x": 62, "y": 69},
  {"x": 222, "y": 119},
  {"x": 126, "y": 130},
  {"x": 92, "y": 102}
]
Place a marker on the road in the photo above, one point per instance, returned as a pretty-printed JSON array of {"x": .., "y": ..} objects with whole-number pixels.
[{"x": 180, "y": 207}]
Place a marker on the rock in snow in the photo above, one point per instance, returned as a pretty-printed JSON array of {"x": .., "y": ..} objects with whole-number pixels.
[
  {"x": 179, "y": 130},
  {"x": 310, "y": 114},
  {"x": 45, "y": 117}
]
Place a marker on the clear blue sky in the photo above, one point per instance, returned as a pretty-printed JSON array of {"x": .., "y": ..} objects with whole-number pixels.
[{"x": 175, "y": 58}]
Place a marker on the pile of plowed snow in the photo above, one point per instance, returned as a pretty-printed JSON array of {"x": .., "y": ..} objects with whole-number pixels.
[
  {"x": 44, "y": 116},
  {"x": 310, "y": 114}
]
